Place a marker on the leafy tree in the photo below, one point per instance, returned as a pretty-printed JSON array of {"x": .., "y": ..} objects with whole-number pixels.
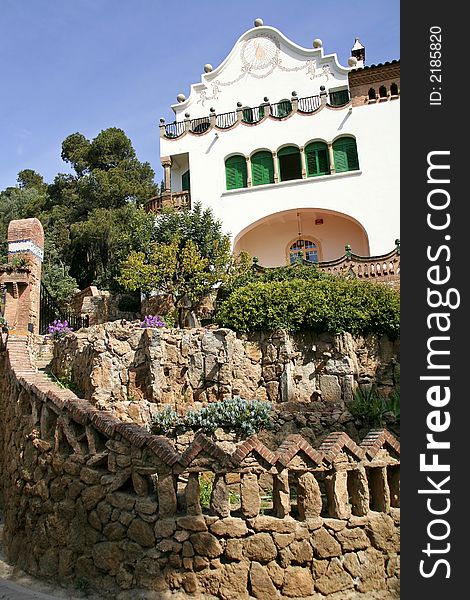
[
  {"x": 188, "y": 256},
  {"x": 101, "y": 242}
]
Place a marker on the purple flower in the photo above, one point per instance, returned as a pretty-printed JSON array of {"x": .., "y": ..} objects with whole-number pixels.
[
  {"x": 58, "y": 329},
  {"x": 153, "y": 321}
]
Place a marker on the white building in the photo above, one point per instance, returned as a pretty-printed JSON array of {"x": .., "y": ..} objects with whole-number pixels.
[{"x": 293, "y": 152}]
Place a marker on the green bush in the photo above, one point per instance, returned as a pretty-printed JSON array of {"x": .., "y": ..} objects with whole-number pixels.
[
  {"x": 245, "y": 417},
  {"x": 324, "y": 305},
  {"x": 370, "y": 407}
]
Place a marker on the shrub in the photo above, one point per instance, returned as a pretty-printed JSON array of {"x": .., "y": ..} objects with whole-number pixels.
[
  {"x": 245, "y": 417},
  {"x": 370, "y": 407},
  {"x": 324, "y": 305}
]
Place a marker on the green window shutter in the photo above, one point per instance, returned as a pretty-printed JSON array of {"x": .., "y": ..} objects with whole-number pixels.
[
  {"x": 262, "y": 168},
  {"x": 185, "y": 185},
  {"x": 317, "y": 159},
  {"x": 345, "y": 155},
  {"x": 339, "y": 98},
  {"x": 284, "y": 108},
  {"x": 235, "y": 172}
]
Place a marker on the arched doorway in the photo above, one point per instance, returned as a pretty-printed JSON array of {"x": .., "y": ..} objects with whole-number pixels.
[{"x": 320, "y": 235}]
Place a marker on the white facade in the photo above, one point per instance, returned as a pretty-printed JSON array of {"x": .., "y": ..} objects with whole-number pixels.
[{"x": 359, "y": 207}]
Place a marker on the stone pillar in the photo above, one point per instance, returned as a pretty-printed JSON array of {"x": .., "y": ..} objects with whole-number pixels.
[
  {"x": 281, "y": 494},
  {"x": 303, "y": 162},
  {"x": 332, "y": 158},
  {"x": 359, "y": 491},
  {"x": 166, "y": 164},
  {"x": 220, "y": 504},
  {"x": 166, "y": 490},
  {"x": 25, "y": 241},
  {"x": 338, "y": 497},
  {"x": 276, "y": 168},
  {"x": 309, "y": 502},
  {"x": 249, "y": 492},
  {"x": 192, "y": 495},
  {"x": 379, "y": 490}
]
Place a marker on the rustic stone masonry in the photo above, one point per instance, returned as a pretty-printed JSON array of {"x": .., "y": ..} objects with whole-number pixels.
[
  {"x": 309, "y": 378},
  {"x": 90, "y": 498}
]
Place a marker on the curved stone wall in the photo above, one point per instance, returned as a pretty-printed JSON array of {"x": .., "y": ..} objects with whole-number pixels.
[{"x": 90, "y": 498}]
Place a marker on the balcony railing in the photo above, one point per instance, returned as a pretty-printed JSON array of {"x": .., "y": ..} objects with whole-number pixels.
[
  {"x": 252, "y": 115},
  {"x": 372, "y": 268},
  {"x": 175, "y": 200}
]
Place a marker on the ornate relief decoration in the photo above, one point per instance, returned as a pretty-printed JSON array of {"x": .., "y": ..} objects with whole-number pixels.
[{"x": 260, "y": 56}]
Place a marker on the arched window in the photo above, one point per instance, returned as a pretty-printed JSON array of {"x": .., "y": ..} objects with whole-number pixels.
[
  {"x": 236, "y": 172},
  {"x": 382, "y": 91},
  {"x": 372, "y": 94},
  {"x": 345, "y": 155},
  {"x": 317, "y": 159},
  {"x": 262, "y": 168},
  {"x": 303, "y": 249},
  {"x": 290, "y": 166},
  {"x": 394, "y": 89}
]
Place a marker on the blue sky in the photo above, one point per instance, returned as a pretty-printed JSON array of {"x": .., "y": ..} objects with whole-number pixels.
[{"x": 85, "y": 65}]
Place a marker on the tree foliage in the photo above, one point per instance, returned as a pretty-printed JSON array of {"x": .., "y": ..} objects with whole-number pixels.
[
  {"x": 188, "y": 256},
  {"x": 92, "y": 217}
]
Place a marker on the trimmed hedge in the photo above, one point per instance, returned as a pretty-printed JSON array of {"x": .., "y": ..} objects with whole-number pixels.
[{"x": 325, "y": 305}]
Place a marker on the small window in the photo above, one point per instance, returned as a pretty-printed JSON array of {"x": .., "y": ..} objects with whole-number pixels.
[
  {"x": 382, "y": 91},
  {"x": 339, "y": 97},
  {"x": 290, "y": 166},
  {"x": 372, "y": 94},
  {"x": 303, "y": 249},
  {"x": 394, "y": 89},
  {"x": 262, "y": 168},
  {"x": 236, "y": 172},
  {"x": 317, "y": 159},
  {"x": 345, "y": 155}
]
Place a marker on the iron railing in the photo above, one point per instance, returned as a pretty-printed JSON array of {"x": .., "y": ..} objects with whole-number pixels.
[
  {"x": 200, "y": 125},
  {"x": 175, "y": 129},
  {"x": 309, "y": 104},
  {"x": 281, "y": 109},
  {"x": 50, "y": 311},
  {"x": 226, "y": 120},
  {"x": 253, "y": 114}
]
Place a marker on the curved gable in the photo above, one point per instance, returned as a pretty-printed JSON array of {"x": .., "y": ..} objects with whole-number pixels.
[{"x": 263, "y": 63}]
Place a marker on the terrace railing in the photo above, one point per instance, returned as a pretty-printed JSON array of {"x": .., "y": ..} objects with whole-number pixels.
[{"x": 252, "y": 115}]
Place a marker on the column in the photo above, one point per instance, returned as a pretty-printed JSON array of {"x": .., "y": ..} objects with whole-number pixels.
[
  {"x": 276, "y": 168},
  {"x": 332, "y": 158},
  {"x": 303, "y": 162},
  {"x": 166, "y": 164}
]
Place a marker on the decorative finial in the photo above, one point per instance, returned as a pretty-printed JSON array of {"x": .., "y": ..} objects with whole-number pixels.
[
  {"x": 352, "y": 61},
  {"x": 181, "y": 98},
  {"x": 259, "y": 22},
  {"x": 317, "y": 43},
  {"x": 207, "y": 68}
]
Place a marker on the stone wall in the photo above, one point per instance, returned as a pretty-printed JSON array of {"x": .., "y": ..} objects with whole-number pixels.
[
  {"x": 89, "y": 498},
  {"x": 309, "y": 378}
]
